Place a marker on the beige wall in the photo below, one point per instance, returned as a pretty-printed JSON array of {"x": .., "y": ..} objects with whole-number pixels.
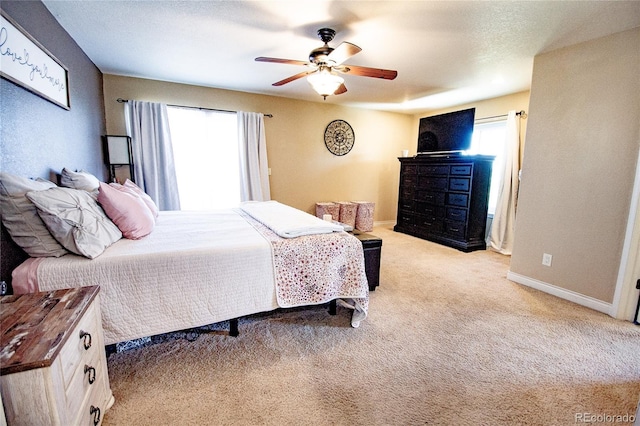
[
  {"x": 303, "y": 170},
  {"x": 579, "y": 164}
]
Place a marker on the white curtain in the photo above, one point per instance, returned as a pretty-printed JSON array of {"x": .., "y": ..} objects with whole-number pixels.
[
  {"x": 148, "y": 125},
  {"x": 254, "y": 169},
  {"x": 504, "y": 219}
]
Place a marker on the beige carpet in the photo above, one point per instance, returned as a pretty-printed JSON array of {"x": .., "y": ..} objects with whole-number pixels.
[{"x": 448, "y": 341}]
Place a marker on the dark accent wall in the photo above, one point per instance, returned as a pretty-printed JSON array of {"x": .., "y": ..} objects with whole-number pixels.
[{"x": 37, "y": 137}]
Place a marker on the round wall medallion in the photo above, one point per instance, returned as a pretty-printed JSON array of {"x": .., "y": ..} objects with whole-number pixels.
[{"x": 339, "y": 137}]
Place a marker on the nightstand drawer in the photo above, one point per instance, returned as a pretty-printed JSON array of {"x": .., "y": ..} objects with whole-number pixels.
[
  {"x": 82, "y": 345},
  {"x": 94, "y": 408},
  {"x": 90, "y": 377}
]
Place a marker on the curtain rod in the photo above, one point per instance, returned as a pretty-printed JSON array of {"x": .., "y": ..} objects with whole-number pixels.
[
  {"x": 120, "y": 100},
  {"x": 521, "y": 113}
]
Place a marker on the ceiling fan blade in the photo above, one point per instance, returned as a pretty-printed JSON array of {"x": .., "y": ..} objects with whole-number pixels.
[
  {"x": 343, "y": 52},
  {"x": 368, "y": 72},
  {"x": 293, "y": 77},
  {"x": 281, "y": 61},
  {"x": 340, "y": 90}
]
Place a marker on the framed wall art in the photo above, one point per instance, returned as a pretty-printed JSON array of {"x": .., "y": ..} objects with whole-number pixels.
[{"x": 27, "y": 63}]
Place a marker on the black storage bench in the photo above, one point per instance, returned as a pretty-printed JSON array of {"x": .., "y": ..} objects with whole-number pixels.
[{"x": 372, "y": 246}]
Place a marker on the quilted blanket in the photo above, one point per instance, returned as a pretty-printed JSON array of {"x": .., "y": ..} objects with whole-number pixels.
[{"x": 317, "y": 269}]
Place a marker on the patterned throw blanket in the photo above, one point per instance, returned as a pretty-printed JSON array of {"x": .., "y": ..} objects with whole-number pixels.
[{"x": 315, "y": 269}]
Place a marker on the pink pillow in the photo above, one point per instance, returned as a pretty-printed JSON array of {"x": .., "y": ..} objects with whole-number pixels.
[
  {"x": 130, "y": 214},
  {"x": 129, "y": 191},
  {"x": 145, "y": 197}
]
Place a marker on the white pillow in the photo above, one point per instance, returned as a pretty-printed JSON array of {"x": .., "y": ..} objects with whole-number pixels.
[
  {"x": 80, "y": 180},
  {"x": 20, "y": 216},
  {"x": 75, "y": 219}
]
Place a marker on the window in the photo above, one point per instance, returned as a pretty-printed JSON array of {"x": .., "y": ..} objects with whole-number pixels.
[
  {"x": 205, "y": 149},
  {"x": 489, "y": 139}
]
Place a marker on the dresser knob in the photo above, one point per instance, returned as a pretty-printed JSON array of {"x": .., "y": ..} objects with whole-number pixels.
[
  {"x": 92, "y": 373},
  {"x": 95, "y": 412},
  {"x": 86, "y": 337}
]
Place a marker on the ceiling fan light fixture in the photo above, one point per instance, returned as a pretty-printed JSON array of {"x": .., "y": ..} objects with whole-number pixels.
[{"x": 325, "y": 82}]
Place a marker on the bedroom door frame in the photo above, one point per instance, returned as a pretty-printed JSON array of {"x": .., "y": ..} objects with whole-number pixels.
[{"x": 625, "y": 298}]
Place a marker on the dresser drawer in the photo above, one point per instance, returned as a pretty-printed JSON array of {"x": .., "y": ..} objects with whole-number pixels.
[
  {"x": 430, "y": 224},
  {"x": 407, "y": 193},
  {"x": 433, "y": 170},
  {"x": 461, "y": 170},
  {"x": 434, "y": 183},
  {"x": 455, "y": 229},
  {"x": 435, "y": 198},
  {"x": 408, "y": 181},
  {"x": 406, "y": 204},
  {"x": 405, "y": 219},
  {"x": 409, "y": 169},
  {"x": 456, "y": 215},
  {"x": 460, "y": 200},
  {"x": 429, "y": 210},
  {"x": 459, "y": 184}
]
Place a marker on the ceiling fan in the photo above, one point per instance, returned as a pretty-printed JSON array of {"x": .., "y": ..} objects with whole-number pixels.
[{"x": 324, "y": 61}]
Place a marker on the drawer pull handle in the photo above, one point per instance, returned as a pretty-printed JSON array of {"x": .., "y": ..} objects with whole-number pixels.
[
  {"x": 86, "y": 338},
  {"x": 95, "y": 412},
  {"x": 92, "y": 373}
]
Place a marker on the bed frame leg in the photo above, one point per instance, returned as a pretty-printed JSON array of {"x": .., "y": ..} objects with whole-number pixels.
[
  {"x": 332, "y": 307},
  {"x": 233, "y": 327}
]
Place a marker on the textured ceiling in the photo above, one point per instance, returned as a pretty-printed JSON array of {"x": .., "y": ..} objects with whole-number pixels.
[{"x": 446, "y": 53}]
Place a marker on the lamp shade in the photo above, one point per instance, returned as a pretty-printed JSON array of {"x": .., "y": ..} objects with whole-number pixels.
[
  {"x": 118, "y": 150},
  {"x": 325, "y": 82}
]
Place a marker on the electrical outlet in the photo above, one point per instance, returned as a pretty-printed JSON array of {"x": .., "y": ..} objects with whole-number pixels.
[{"x": 546, "y": 259}]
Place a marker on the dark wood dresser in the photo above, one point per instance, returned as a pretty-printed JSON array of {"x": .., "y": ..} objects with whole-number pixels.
[{"x": 445, "y": 199}]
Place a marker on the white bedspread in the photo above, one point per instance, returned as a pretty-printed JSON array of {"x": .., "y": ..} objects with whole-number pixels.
[
  {"x": 286, "y": 221},
  {"x": 167, "y": 281}
]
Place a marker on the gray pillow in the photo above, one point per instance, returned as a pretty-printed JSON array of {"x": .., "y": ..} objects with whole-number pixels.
[
  {"x": 75, "y": 219},
  {"x": 20, "y": 216}
]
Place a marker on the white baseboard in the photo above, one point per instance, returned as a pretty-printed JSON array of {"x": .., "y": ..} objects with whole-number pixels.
[
  {"x": 580, "y": 299},
  {"x": 384, "y": 223}
]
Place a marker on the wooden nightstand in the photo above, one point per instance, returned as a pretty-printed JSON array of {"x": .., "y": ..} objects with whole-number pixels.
[{"x": 53, "y": 367}]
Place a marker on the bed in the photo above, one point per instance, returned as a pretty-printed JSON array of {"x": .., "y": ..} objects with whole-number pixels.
[{"x": 199, "y": 268}]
